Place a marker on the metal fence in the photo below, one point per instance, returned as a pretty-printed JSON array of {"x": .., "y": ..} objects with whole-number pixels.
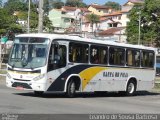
[{"x": 4, "y": 51}]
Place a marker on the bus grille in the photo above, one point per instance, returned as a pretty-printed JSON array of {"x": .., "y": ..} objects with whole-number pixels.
[{"x": 24, "y": 85}]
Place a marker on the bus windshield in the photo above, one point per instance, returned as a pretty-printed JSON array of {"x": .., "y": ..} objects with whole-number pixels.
[{"x": 28, "y": 52}]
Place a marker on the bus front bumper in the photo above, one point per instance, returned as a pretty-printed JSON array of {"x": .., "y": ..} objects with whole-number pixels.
[{"x": 21, "y": 85}]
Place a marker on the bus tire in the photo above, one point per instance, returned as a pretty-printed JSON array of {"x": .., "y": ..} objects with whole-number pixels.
[
  {"x": 38, "y": 93},
  {"x": 71, "y": 89},
  {"x": 131, "y": 88}
]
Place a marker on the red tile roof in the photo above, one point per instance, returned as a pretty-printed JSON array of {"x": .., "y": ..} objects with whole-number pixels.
[
  {"x": 113, "y": 14},
  {"x": 103, "y": 18},
  {"x": 84, "y": 9},
  {"x": 67, "y": 8},
  {"x": 111, "y": 31}
]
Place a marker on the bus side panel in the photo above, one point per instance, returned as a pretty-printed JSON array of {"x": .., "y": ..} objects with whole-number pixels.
[
  {"x": 116, "y": 79},
  {"x": 146, "y": 81},
  {"x": 59, "y": 82},
  {"x": 98, "y": 78}
]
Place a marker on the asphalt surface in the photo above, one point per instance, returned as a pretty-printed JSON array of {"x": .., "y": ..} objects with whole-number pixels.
[{"x": 24, "y": 102}]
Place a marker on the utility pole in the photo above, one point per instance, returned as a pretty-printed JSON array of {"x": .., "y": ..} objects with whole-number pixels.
[
  {"x": 139, "y": 36},
  {"x": 40, "y": 22},
  {"x": 29, "y": 10}
]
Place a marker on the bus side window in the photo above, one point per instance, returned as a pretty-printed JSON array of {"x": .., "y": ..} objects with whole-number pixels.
[
  {"x": 129, "y": 57},
  {"x": 133, "y": 57},
  {"x": 147, "y": 59},
  {"x": 111, "y": 56},
  {"x": 94, "y": 55},
  {"x": 151, "y": 59},
  {"x": 98, "y": 54},
  {"x": 137, "y": 58},
  {"x": 78, "y": 52},
  {"x": 74, "y": 56},
  {"x": 116, "y": 56}
]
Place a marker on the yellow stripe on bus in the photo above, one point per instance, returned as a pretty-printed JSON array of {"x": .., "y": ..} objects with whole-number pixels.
[{"x": 88, "y": 74}]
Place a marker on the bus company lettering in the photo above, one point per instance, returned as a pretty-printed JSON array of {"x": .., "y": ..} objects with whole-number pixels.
[{"x": 115, "y": 74}]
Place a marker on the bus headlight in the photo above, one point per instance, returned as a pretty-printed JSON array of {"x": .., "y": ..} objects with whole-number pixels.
[
  {"x": 8, "y": 75},
  {"x": 39, "y": 77}
]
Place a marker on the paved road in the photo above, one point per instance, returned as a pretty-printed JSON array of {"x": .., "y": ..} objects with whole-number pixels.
[{"x": 15, "y": 101}]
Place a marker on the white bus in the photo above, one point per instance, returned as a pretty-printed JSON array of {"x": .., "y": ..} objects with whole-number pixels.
[{"x": 70, "y": 64}]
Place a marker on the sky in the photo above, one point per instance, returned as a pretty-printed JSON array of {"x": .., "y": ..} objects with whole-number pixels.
[{"x": 101, "y": 2}]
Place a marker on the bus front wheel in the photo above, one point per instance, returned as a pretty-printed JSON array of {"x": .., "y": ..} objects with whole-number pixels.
[
  {"x": 131, "y": 88},
  {"x": 71, "y": 89}
]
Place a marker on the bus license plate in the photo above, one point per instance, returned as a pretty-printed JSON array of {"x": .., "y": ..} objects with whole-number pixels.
[{"x": 19, "y": 88}]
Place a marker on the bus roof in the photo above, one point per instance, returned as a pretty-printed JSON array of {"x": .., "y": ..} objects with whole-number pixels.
[{"x": 78, "y": 38}]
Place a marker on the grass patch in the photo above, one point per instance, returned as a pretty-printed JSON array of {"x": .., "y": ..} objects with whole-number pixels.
[
  {"x": 157, "y": 86},
  {"x": 3, "y": 72}
]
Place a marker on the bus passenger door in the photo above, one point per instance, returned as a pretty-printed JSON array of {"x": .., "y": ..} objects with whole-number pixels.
[
  {"x": 56, "y": 62},
  {"x": 57, "y": 57}
]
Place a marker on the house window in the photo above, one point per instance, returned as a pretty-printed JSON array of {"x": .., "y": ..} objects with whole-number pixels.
[
  {"x": 114, "y": 24},
  {"x": 66, "y": 20},
  {"x": 110, "y": 25}
]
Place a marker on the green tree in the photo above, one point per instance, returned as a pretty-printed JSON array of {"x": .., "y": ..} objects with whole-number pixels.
[
  {"x": 47, "y": 24},
  {"x": 6, "y": 20},
  {"x": 15, "y": 5},
  {"x": 75, "y": 3},
  {"x": 93, "y": 19},
  {"x": 149, "y": 23},
  {"x": 22, "y": 15},
  {"x": 132, "y": 27},
  {"x": 113, "y": 5},
  {"x": 58, "y": 5},
  {"x": 33, "y": 21},
  {"x": 55, "y": 4}
]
